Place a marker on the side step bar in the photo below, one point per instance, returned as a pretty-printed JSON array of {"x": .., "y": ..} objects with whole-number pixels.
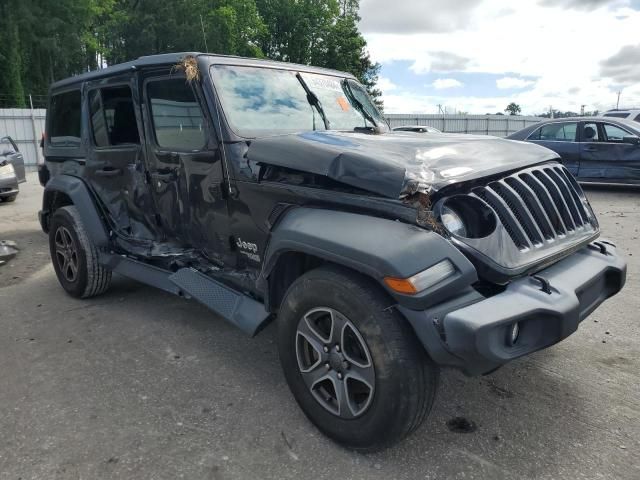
[
  {"x": 237, "y": 308},
  {"x": 244, "y": 312}
]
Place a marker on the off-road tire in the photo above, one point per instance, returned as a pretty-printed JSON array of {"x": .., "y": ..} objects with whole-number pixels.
[
  {"x": 405, "y": 378},
  {"x": 92, "y": 278}
]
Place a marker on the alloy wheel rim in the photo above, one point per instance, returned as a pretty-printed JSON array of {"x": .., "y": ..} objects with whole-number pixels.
[
  {"x": 335, "y": 363},
  {"x": 66, "y": 254}
]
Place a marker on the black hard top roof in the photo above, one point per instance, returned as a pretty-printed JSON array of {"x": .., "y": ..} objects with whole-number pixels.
[{"x": 174, "y": 58}]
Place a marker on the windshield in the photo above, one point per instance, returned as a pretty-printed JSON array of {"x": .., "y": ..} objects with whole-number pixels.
[{"x": 259, "y": 101}]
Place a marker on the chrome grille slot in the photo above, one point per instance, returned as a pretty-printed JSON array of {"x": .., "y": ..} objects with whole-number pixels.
[
  {"x": 537, "y": 206},
  {"x": 547, "y": 202}
]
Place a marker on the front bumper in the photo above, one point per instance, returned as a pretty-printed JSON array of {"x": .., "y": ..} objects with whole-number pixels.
[
  {"x": 8, "y": 185},
  {"x": 471, "y": 332}
]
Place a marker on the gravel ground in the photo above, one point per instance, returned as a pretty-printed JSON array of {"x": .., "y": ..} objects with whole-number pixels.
[{"x": 140, "y": 384}]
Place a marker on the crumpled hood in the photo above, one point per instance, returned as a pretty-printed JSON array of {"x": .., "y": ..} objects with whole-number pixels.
[{"x": 396, "y": 164}]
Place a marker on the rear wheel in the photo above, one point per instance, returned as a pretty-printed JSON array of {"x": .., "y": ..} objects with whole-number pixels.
[
  {"x": 74, "y": 257},
  {"x": 352, "y": 363}
]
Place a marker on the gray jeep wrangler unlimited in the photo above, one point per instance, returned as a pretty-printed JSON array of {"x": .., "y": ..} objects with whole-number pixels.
[{"x": 269, "y": 190}]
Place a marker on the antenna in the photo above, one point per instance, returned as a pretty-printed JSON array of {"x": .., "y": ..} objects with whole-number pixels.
[
  {"x": 204, "y": 37},
  {"x": 618, "y": 102}
]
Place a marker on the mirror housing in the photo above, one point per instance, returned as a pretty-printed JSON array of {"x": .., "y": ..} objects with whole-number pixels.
[
  {"x": 6, "y": 153},
  {"x": 632, "y": 140}
]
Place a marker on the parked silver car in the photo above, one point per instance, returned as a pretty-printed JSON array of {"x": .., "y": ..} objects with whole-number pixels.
[{"x": 11, "y": 169}]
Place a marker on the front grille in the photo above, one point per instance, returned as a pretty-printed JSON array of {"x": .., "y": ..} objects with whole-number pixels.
[{"x": 538, "y": 206}]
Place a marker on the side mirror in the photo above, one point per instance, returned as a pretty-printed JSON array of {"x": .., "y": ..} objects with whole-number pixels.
[
  {"x": 6, "y": 153},
  {"x": 632, "y": 140}
]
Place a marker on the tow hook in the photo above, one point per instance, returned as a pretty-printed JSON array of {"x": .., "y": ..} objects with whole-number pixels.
[
  {"x": 600, "y": 245},
  {"x": 545, "y": 286}
]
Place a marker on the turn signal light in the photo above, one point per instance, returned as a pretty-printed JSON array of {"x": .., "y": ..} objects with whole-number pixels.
[{"x": 423, "y": 280}]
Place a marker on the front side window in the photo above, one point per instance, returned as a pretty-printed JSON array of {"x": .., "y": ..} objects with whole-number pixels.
[
  {"x": 113, "y": 119},
  {"x": 64, "y": 123},
  {"x": 178, "y": 122},
  {"x": 615, "y": 134},
  {"x": 556, "y": 132},
  {"x": 264, "y": 100}
]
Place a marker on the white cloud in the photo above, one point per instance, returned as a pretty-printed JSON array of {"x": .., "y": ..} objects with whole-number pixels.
[
  {"x": 506, "y": 83},
  {"x": 386, "y": 85},
  {"x": 404, "y": 17},
  {"x": 530, "y": 41},
  {"x": 444, "y": 83}
]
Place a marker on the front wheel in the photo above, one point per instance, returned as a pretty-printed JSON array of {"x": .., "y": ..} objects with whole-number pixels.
[{"x": 352, "y": 363}]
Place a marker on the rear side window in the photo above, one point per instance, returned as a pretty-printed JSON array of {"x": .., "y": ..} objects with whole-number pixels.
[
  {"x": 64, "y": 123},
  {"x": 557, "y": 132},
  {"x": 637, "y": 119},
  {"x": 177, "y": 118},
  {"x": 113, "y": 119}
]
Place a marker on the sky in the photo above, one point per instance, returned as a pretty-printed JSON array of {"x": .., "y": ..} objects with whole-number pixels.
[{"x": 477, "y": 56}]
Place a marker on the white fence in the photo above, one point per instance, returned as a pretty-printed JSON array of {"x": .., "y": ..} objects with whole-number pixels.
[
  {"x": 496, "y": 125},
  {"x": 25, "y": 127}
]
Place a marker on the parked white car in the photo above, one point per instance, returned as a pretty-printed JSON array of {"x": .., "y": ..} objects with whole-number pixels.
[{"x": 633, "y": 114}]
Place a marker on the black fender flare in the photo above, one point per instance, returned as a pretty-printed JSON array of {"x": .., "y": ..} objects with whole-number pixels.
[
  {"x": 376, "y": 247},
  {"x": 82, "y": 198}
]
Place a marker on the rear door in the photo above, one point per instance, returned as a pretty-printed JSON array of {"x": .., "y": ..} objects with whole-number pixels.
[
  {"x": 9, "y": 151},
  {"x": 561, "y": 137},
  {"x": 115, "y": 161}
]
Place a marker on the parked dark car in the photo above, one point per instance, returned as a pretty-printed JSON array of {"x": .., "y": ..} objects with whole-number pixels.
[
  {"x": 594, "y": 149},
  {"x": 12, "y": 171},
  {"x": 273, "y": 190},
  {"x": 417, "y": 129}
]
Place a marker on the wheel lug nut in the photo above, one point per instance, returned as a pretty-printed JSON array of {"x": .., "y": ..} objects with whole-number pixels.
[
  {"x": 339, "y": 376},
  {"x": 326, "y": 349},
  {"x": 337, "y": 348},
  {"x": 327, "y": 366}
]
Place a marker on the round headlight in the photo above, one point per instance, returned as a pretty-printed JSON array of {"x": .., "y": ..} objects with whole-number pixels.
[
  {"x": 453, "y": 222},
  {"x": 466, "y": 216}
]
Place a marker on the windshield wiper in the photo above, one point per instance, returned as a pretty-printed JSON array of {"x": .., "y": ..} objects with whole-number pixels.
[
  {"x": 314, "y": 101},
  {"x": 358, "y": 104}
]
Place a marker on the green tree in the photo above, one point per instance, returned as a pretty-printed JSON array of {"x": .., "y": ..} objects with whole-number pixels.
[
  {"x": 44, "y": 40},
  {"x": 513, "y": 109},
  {"x": 11, "y": 89},
  {"x": 319, "y": 33}
]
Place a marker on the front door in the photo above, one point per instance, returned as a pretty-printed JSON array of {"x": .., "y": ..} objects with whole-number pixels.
[
  {"x": 186, "y": 167},
  {"x": 595, "y": 154},
  {"x": 625, "y": 154}
]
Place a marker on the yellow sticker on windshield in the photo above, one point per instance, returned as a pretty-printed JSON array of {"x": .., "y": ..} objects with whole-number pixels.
[{"x": 344, "y": 104}]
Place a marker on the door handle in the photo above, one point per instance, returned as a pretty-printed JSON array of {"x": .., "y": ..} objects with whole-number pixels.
[
  {"x": 590, "y": 149},
  {"x": 108, "y": 172},
  {"x": 164, "y": 177}
]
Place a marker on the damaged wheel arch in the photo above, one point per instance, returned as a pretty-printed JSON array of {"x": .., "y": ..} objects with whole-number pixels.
[{"x": 338, "y": 237}]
